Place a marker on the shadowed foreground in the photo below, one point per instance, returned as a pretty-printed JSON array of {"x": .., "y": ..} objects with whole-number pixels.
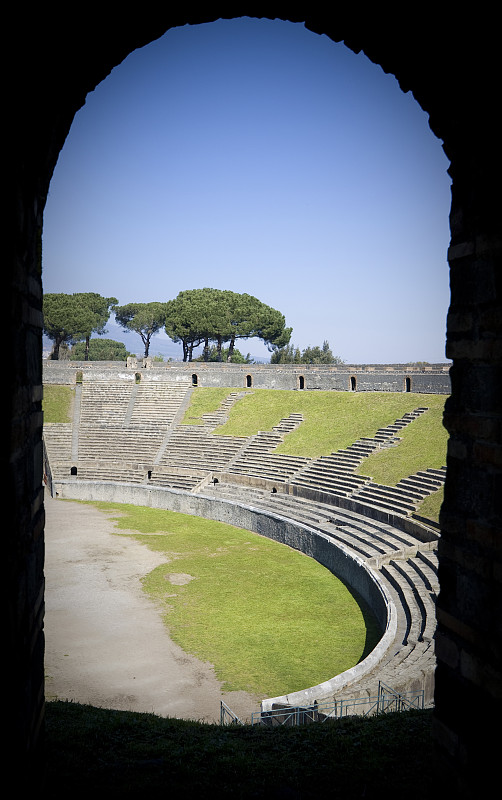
[{"x": 124, "y": 754}]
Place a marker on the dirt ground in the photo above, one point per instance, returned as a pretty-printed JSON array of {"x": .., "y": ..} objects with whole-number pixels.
[{"x": 106, "y": 644}]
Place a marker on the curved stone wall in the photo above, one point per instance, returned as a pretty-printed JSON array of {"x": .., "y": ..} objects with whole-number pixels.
[{"x": 430, "y": 379}]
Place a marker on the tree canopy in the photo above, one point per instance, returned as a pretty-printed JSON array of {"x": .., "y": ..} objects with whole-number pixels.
[
  {"x": 70, "y": 318},
  {"x": 100, "y": 350},
  {"x": 191, "y": 319},
  {"x": 94, "y": 313},
  {"x": 310, "y": 355},
  {"x": 146, "y": 319},
  {"x": 201, "y": 316},
  {"x": 236, "y": 357},
  {"x": 216, "y": 318}
]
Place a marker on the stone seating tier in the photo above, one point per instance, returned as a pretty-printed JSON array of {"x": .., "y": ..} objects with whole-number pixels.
[
  {"x": 384, "y": 499},
  {"x": 196, "y": 447},
  {"x": 110, "y": 471},
  {"x": 94, "y": 442},
  {"x": 420, "y": 484},
  {"x": 193, "y": 447},
  {"x": 349, "y": 528},
  {"x": 324, "y": 473},
  {"x": 151, "y": 403},
  {"x": 58, "y": 441},
  {"x": 399, "y": 492},
  {"x": 407, "y": 567},
  {"x": 174, "y": 480}
]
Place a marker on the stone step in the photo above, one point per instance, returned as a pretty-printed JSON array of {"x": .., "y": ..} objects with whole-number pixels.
[{"x": 384, "y": 500}]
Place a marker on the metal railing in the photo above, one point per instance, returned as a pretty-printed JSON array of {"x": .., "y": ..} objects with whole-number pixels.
[
  {"x": 227, "y": 716},
  {"x": 390, "y": 700},
  {"x": 387, "y": 700}
]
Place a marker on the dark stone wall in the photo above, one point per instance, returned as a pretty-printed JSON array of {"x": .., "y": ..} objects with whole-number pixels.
[
  {"x": 434, "y": 379},
  {"x": 450, "y": 61}
]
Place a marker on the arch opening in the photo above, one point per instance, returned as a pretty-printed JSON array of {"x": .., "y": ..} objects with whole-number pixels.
[
  {"x": 249, "y": 380},
  {"x": 472, "y": 216}
]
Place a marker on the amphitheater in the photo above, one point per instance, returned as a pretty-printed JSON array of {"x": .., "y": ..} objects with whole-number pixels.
[{"x": 127, "y": 442}]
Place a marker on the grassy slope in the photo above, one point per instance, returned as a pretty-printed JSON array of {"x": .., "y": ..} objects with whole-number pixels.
[
  {"x": 115, "y": 754},
  {"x": 57, "y": 403},
  {"x": 334, "y": 420},
  {"x": 203, "y": 402},
  {"x": 244, "y": 609},
  {"x": 423, "y": 444}
]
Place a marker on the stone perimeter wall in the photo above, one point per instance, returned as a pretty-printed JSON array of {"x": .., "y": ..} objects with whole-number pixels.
[{"x": 431, "y": 379}]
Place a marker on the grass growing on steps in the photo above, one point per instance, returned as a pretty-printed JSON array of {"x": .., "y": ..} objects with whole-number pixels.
[
  {"x": 431, "y": 506},
  {"x": 270, "y": 619},
  {"x": 57, "y": 403},
  {"x": 93, "y": 752},
  {"x": 423, "y": 444},
  {"x": 332, "y": 420},
  {"x": 204, "y": 401}
]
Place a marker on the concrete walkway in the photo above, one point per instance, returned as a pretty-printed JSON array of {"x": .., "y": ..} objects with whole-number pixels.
[{"x": 106, "y": 644}]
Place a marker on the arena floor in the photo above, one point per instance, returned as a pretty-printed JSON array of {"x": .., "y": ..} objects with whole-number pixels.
[{"x": 106, "y": 644}]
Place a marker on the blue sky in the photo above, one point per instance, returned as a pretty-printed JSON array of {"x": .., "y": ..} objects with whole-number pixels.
[{"x": 256, "y": 156}]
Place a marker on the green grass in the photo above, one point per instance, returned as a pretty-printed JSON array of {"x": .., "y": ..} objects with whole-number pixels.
[
  {"x": 332, "y": 420},
  {"x": 204, "y": 401},
  {"x": 431, "y": 506},
  {"x": 423, "y": 445},
  {"x": 270, "y": 619},
  {"x": 93, "y": 752},
  {"x": 57, "y": 403}
]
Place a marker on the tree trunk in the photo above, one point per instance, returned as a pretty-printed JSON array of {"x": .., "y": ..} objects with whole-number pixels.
[
  {"x": 206, "y": 351},
  {"x": 231, "y": 348},
  {"x": 86, "y": 357},
  {"x": 55, "y": 348}
]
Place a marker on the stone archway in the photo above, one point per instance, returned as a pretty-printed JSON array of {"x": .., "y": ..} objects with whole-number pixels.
[{"x": 451, "y": 67}]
